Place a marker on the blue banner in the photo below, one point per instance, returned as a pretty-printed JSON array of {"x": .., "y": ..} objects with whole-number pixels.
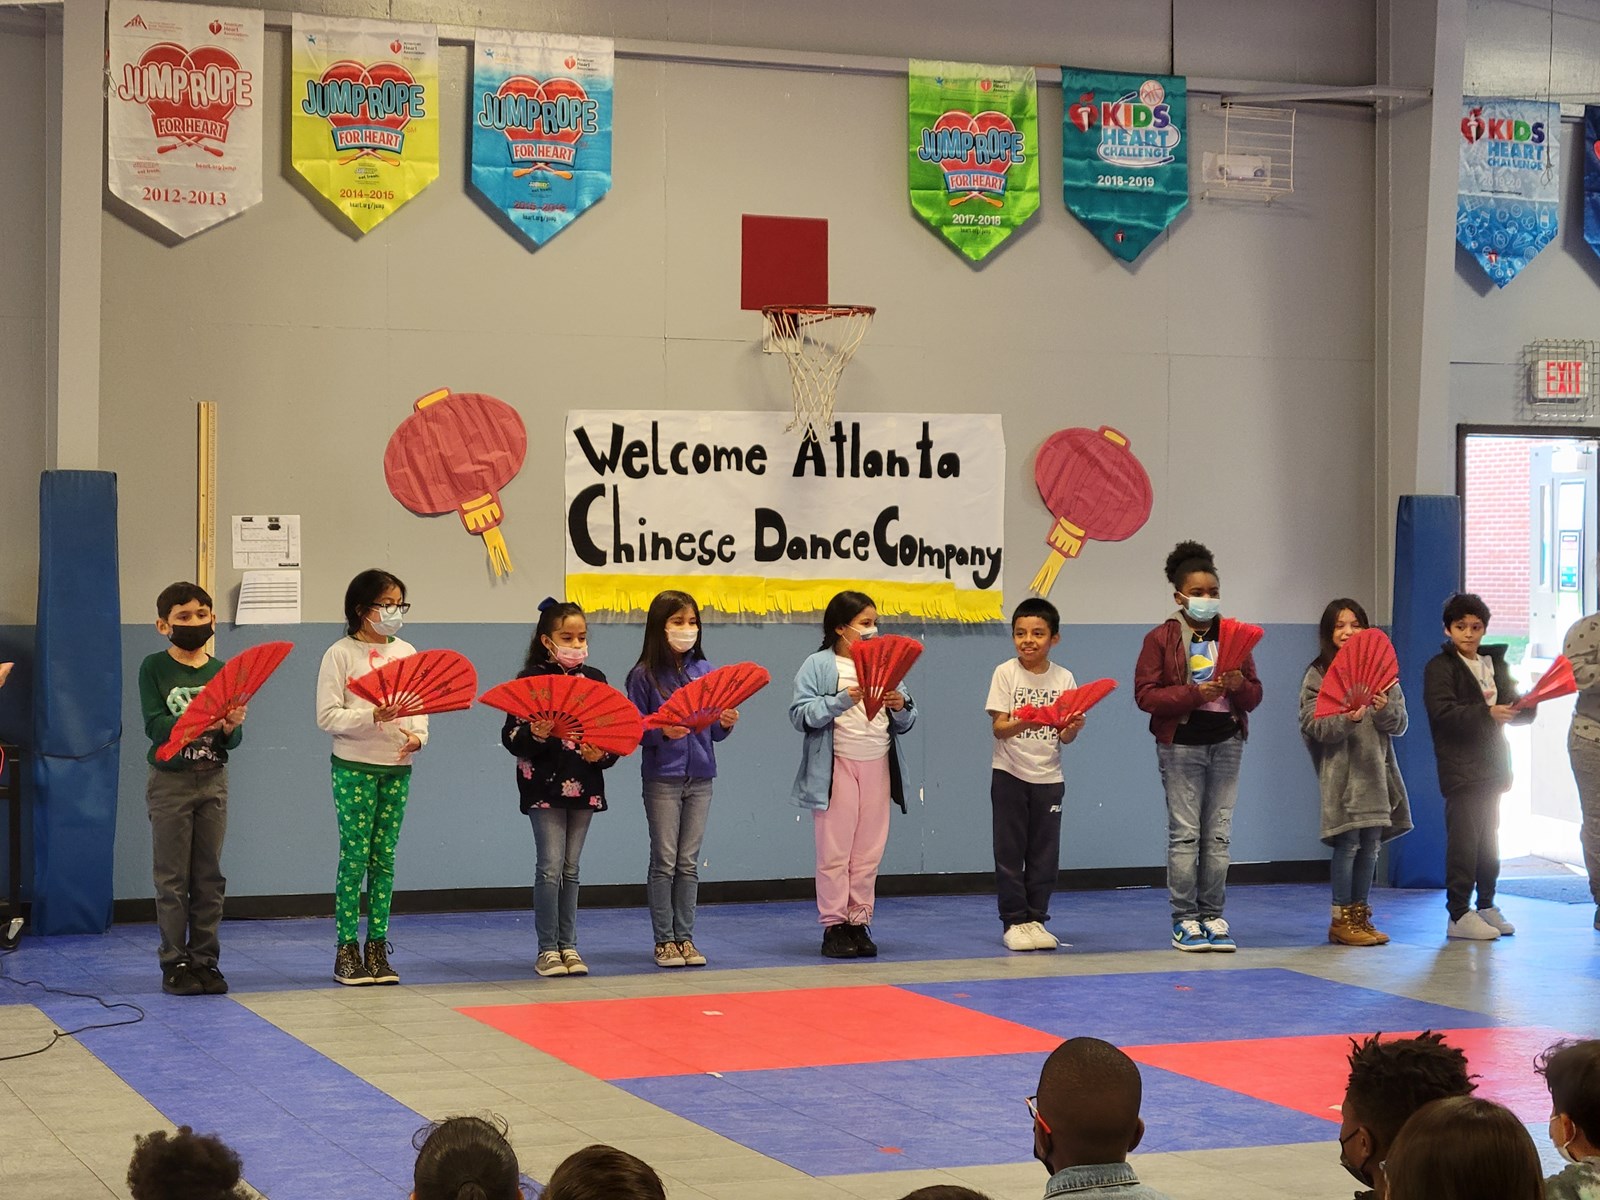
[
  {"x": 541, "y": 126},
  {"x": 1591, "y": 176},
  {"x": 1508, "y": 192}
]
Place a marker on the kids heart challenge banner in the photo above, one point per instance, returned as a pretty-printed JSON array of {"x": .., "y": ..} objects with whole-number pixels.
[
  {"x": 363, "y": 112},
  {"x": 974, "y": 163},
  {"x": 1507, "y": 198},
  {"x": 541, "y": 126},
  {"x": 908, "y": 507},
  {"x": 183, "y": 118},
  {"x": 1124, "y": 161},
  {"x": 1591, "y": 176}
]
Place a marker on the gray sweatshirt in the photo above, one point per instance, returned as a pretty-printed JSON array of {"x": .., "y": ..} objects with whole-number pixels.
[{"x": 1356, "y": 768}]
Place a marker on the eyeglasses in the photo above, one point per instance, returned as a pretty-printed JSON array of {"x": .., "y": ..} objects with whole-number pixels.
[
  {"x": 1033, "y": 1109},
  {"x": 390, "y": 610}
]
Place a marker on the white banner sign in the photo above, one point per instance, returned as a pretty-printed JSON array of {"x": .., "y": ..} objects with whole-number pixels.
[
  {"x": 183, "y": 112},
  {"x": 906, "y": 507}
]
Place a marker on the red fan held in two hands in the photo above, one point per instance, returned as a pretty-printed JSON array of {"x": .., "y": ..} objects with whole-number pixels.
[
  {"x": 1071, "y": 703},
  {"x": 1364, "y": 669},
  {"x": 1235, "y": 640},
  {"x": 881, "y": 664},
  {"x": 581, "y": 710},
  {"x": 230, "y": 688},
  {"x": 701, "y": 702},
  {"x": 433, "y": 681},
  {"x": 1556, "y": 681},
  {"x": 1095, "y": 487}
]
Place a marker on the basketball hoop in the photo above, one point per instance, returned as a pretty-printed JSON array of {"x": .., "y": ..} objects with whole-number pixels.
[{"x": 818, "y": 340}]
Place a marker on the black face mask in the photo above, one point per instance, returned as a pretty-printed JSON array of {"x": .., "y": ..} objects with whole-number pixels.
[
  {"x": 190, "y": 638},
  {"x": 1359, "y": 1174}
]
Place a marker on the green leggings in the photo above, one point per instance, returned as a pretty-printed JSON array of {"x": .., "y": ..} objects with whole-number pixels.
[{"x": 370, "y": 808}]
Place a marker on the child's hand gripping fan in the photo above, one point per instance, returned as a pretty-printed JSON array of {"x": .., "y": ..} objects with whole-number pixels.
[
  {"x": 1235, "y": 640},
  {"x": 230, "y": 688},
  {"x": 1364, "y": 668},
  {"x": 700, "y": 703},
  {"x": 1556, "y": 681},
  {"x": 581, "y": 710},
  {"x": 433, "y": 681},
  {"x": 1071, "y": 703},
  {"x": 882, "y": 663}
]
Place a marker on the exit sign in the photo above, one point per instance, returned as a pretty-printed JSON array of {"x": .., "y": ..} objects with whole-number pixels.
[{"x": 1560, "y": 379}]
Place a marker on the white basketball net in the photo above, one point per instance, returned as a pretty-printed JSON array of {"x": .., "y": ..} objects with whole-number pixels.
[{"x": 818, "y": 342}]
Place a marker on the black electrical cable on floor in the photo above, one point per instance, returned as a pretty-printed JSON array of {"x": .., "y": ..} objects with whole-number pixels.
[{"x": 58, "y": 1034}]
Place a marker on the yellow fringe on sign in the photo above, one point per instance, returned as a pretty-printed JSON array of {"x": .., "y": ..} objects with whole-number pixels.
[{"x": 759, "y": 595}]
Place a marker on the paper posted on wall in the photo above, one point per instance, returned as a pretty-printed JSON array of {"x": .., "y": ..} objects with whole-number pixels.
[
  {"x": 269, "y": 598},
  {"x": 266, "y": 543}
]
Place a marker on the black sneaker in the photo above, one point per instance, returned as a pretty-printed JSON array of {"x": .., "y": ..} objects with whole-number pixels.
[
  {"x": 211, "y": 980},
  {"x": 862, "y": 940},
  {"x": 377, "y": 962},
  {"x": 347, "y": 966},
  {"x": 837, "y": 943},
  {"x": 179, "y": 980}
]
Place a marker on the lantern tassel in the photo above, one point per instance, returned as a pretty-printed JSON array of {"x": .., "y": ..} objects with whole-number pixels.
[
  {"x": 499, "y": 556},
  {"x": 1046, "y": 578}
]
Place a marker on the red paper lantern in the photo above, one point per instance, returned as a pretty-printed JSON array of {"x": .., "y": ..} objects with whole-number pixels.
[
  {"x": 453, "y": 454},
  {"x": 1097, "y": 490}
]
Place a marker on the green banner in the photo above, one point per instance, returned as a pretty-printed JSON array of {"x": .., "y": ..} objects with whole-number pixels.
[
  {"x": 1124, "y": 163},
  {"x": 974, "y": 163}
]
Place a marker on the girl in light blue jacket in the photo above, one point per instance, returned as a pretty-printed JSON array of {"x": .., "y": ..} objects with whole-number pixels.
[{"x": 849, "y": 772}]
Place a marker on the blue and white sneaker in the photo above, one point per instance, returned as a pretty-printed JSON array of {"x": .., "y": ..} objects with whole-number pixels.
[
  {"x": 1187, "y": 935},
  {"x": 1217, "y": 935}
]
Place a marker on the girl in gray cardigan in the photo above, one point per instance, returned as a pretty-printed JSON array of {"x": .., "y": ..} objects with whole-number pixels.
[{"x": 1364, "y": 800}]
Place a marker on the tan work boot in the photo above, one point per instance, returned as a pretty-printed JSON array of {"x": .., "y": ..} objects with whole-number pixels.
[
  {"x": 1364, "y": 916},
  {"x": 1346, "y": 930}
]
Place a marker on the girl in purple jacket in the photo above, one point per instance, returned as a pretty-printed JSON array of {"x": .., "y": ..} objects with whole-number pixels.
[{"x": 678, "y": 767}]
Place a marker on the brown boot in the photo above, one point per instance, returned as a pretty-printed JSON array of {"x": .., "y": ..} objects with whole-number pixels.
[
  {"x": 1364, "y": 916},
  {"x": 1345, "y": 930}
]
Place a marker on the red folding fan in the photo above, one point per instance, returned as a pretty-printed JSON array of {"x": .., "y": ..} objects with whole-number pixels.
[
  {"x": 1069, "y": 704},
  {"x": 1365, "y": 667},
  {"x": 701, "y": 702},
  {"x": 1556, "y": 681},
  {"x": 1235, "y": 640},
  {"x": 881, "y": 663},
  {"x": 433, "y": 681},
  {"x": 230, "y": 688},
  {"x": 581, "y": 710}
]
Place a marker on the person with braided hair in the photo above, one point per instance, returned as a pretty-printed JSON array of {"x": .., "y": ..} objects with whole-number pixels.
[{"x": 465, "y": 1158}]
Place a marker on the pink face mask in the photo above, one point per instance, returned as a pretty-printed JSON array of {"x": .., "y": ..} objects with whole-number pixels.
[{"x": 570, "y": 658}]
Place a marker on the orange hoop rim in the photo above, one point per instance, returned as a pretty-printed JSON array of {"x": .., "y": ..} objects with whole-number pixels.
[{"x": 818, "y": 310}]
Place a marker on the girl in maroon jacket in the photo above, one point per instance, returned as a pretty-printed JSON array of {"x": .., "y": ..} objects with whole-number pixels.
[{"x": 1200, "y": 724}]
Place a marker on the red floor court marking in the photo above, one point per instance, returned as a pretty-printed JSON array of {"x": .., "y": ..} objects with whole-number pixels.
[
  {"x": 755, "y": 1031},
  {"x": 1308, "y": 1074}
]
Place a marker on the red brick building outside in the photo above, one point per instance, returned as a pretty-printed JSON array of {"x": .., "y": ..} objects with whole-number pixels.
[{"x": 1497, "y": 529}]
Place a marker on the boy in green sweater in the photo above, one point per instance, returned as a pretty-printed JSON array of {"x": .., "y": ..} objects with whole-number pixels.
[{"x": 187, "y": 796}]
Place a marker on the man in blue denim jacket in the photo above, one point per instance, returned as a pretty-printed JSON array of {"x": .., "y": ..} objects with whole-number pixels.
[{"x": 1086, "y": 1120}]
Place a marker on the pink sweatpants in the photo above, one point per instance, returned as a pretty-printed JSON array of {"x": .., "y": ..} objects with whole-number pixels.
[{"x": 851, "y": 833}]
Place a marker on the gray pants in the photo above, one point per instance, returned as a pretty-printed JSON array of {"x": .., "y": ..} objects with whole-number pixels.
[
  {"x": 1585, "y": 755},
  {"x": 188, "y": 819}
]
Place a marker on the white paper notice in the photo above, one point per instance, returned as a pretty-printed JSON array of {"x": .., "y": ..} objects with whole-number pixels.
[
  {"x": 269, "y": 598},
  {"x": 262, "y": 543}
]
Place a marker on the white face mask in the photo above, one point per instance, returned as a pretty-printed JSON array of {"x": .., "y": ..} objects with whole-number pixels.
[
  {"x": 870, "y": 631},
  {"x": 389, "y": 624},
  {"x": 1562, "y": 1148},
  {"x": 682, "y": 640}
]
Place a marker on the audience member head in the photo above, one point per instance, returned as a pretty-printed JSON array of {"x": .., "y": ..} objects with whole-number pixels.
[
  {"x": 944, "y": 1191},
  {"x": 1390, "y": 1080},
  {"x": 1087, "y": 1109},
  {"x": 1463, "y": 1148},
  {"x": 183, "y": 1166},
  {"x": 465, "y": 1158},
  {"x": 1571, "y": 1071},
  {"x": 603, "y": 1173}
]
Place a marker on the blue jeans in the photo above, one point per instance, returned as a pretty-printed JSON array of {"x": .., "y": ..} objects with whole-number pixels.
[
  {"x": 1202, "y": 783},
  {"x": 676, "y": 810},
  {"x": 1355, "y": 862},
  {"x": 558, "y": 835}
]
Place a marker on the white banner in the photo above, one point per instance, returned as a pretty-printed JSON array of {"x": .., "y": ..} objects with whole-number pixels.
[
  {"x": 183, "y": 112},
  {"x": 909, "y": 508}
]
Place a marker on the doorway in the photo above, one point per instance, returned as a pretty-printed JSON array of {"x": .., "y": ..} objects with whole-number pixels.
[{"x": 1529, "y": 539}]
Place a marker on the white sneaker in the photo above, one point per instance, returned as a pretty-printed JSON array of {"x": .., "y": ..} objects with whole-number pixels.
[
  {"x": 1019, "y": 937},
  {"x": 1043, "y": 939},
  {"x": 1493, "y": 916},
  {"x": 1472, "y": 927}
]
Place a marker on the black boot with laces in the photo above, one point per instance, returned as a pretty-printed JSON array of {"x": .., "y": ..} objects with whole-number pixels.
[{"x": 377, "y": 962}]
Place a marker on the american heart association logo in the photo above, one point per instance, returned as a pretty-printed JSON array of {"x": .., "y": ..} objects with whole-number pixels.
[
  {"x": 976, "y": 174},
  {"x": 215, "y": 27},
  {"x": 188, "y": 117},
  {"x": 544, "y": 149},
  {"x": 361, "y": 130}
]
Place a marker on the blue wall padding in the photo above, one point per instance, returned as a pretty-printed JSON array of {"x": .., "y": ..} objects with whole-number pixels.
[
  {"x": 77, "y": 702},
  {"x": 1427, "y": 570}
]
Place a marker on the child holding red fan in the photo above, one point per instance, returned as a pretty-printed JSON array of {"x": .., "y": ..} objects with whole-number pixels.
[
  {"x": 1026, "y": 786},
  {"x": 187, "y": 795},
  {"x": 1364, "y": 802},
  {"x": 560, "y": 786},
  {"x": 372, "y": 749},
  {"x": 849, "y": 772},
  {"x": 1200, "y": 721},
  {"x": 678, "y": 766},
  {"x": 1582, "y": 649}
]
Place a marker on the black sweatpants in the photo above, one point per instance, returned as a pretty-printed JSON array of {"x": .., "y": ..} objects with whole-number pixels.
[
  {"x": 1027, "y": 845},
  {"x": 1471, "y": 848}
]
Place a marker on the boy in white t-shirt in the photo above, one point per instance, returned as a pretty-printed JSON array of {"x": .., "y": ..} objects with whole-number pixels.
[{"x": 1026, "y": 787}]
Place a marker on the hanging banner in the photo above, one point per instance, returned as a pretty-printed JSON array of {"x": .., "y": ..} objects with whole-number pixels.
[
  {"x": 363, "y": 112},
  {"x": 1591, "y": 176},
  {"x": 1124, "y": 161},
  {"x": 907, "y": 507},
  {"x": 541, "y": 126},
  {"x": 1508, "y": 193},
  {"x": 183, "y": 118},
  {"x": 974, "y": 162}
]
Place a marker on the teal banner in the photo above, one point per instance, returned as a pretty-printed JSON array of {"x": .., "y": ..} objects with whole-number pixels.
[{"x": 1124, "y": 163}]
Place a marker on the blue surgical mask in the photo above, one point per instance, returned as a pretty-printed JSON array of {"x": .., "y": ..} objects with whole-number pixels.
[
  {"x": 1203, "y": 609},
  {"x": 389, "y": 623}
]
